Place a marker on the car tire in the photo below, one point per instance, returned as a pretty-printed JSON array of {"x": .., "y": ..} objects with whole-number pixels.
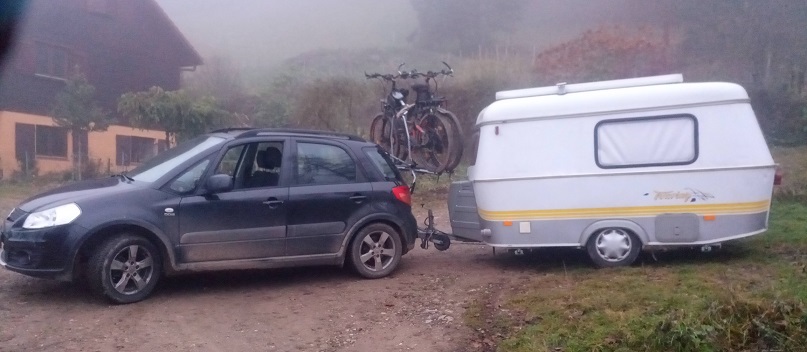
[
  {"x": 376, "y": 250},
  {"x": 124, "y": 269},
  {"x": 613, "y": 247}
]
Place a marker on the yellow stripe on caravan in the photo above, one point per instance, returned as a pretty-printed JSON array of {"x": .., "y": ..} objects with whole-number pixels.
[{"x": 582, "y": 213}]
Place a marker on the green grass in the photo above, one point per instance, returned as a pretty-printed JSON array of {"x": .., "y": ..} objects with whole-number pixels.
[
  {"x": 12, "y": 193},
  {"x": 748, "y": 296},
  {"x": 793, "y": 164}
]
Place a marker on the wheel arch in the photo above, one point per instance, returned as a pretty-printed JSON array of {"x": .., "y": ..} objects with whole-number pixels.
[
  {"x": 98, "y": 235},
  {"x": 596, "y": 226},
  {"x": 367, "y": 221}
]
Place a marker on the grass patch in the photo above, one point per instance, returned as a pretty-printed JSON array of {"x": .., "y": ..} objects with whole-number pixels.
[
  {"x": 12, "y": 193},
  {"x": 747, "y": 297},
  {"x": 793, "y": 164}
]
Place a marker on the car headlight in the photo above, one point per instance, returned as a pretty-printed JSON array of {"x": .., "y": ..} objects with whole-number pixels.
[{"x": 63, "y": 214}]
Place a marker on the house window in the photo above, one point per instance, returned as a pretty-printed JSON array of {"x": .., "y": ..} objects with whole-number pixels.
[
  {"x": 131, "y": 149},
  {"x": 40, "y": 140},
  {"x": 51, "y": 60},
  {"x": 646, "y": 141},
  {"x": 51, "y": 141}
]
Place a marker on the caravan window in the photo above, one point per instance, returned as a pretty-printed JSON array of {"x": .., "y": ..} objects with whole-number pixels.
[{"x": 648, "y": 141}]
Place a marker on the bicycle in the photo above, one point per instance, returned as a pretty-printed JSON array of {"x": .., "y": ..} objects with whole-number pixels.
[{"x": 422, "y": 133}]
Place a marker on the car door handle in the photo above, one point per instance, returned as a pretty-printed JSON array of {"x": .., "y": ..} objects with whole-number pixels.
[
  {"x": 358, "y": 198},
  {"x": 273, "y": 202}
]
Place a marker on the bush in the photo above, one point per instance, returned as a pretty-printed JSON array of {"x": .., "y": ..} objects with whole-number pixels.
[
  {"x": 733, "y": 325},
  {"x": 28, "y": 168},
  {"x": 782, "y": 116},
  {"x": 334, "y": 104}
]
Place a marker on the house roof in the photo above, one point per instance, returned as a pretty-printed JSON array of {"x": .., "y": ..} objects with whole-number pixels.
[{"x": 188, "y": 56}]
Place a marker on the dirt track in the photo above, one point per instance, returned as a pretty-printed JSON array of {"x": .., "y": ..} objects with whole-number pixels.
[{"x": 418, "y": 308}]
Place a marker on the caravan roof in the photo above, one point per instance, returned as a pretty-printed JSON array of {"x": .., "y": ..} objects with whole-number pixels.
[{"x": 607, "y": 97}]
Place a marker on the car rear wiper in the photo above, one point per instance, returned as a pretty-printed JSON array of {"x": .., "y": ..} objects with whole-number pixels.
[{"x": 124, "y": 176}]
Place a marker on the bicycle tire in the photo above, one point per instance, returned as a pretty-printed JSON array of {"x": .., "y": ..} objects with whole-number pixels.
[
  {"x": 381, "y": 134},
  {"x": 459, "y": 137},
  {"x": 435, "y": 146}
]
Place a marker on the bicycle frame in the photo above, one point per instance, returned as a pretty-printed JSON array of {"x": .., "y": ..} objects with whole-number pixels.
[{"x": 399, "y": 117}]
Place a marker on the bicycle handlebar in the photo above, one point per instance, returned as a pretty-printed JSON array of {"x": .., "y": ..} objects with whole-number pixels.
[
  {"x": 386, "y": 77},
  {"x": 414, "y": 74}
]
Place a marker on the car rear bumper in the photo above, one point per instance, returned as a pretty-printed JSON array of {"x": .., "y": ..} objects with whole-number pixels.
[{"x": 410, "y": 230}]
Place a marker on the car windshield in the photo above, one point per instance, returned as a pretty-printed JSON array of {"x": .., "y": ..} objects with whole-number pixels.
[{"x": 166, "y": 161}]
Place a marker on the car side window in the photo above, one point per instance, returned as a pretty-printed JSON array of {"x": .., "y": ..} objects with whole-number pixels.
[
  {"x": 322, "y": 164},
  {"x": 263, "y": 165},
  {"x": 254, "y": 165},
  {"x": 188, "y": 181},
  {"x": 228, "y": 165}
]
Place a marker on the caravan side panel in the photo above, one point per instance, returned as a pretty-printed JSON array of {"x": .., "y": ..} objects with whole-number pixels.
[
  {"x": 727, "y": 203},
  {"x": 538, "y": 183}
]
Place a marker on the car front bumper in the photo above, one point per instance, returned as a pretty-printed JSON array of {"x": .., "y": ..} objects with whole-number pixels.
[{"x": 42, "y": 253}]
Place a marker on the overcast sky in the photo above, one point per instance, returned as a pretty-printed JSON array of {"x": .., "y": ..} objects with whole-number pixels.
[{"x": 267, "y": 31}]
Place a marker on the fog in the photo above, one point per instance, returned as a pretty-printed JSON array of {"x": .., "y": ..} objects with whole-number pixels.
[
  {"x": 259, "y": 33},
  {"x": 287, "y": 51},
  {"x": 262, "y": 33}
]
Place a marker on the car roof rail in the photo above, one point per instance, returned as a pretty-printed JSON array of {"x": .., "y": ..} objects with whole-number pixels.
[
  {"x": 231, "y": 129},
  {"x": 263, "y": 131}
]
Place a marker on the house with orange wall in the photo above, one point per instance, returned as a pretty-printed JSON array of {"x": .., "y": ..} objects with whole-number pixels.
[{"x": 120, "y": 46}]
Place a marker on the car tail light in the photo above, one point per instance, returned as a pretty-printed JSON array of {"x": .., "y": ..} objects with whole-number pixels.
[
  {"x": 402, "y": 193},
  {"x": 777, "y": 177}
]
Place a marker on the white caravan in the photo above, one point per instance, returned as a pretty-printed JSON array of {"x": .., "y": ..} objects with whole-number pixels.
[{"x": 613, "y": 167}]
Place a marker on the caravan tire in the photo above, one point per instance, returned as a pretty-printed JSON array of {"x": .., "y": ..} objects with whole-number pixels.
[{"x": 613, "y": 247}]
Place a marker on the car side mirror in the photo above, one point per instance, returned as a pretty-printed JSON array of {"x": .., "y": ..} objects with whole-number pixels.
[{"x": 219, "y": 183}]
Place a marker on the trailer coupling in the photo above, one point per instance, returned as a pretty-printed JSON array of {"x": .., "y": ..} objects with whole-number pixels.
[{"x": 440, "y": 239}]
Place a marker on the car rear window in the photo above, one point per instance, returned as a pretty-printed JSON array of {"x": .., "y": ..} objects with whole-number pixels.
[{"x": 383, "y": 163}]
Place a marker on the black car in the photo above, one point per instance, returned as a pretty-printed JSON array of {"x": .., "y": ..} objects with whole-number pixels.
[{"x": 231, "y": 199}]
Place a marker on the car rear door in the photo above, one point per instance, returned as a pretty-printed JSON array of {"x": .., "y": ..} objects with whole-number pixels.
[{"x": 328, "y": 193}]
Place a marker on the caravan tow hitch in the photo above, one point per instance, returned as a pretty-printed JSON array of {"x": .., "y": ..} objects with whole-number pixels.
[{"x": 430, "y": 234}]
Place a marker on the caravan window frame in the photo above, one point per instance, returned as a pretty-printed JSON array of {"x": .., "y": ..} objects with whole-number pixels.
[{"x": 696, "y": 138}]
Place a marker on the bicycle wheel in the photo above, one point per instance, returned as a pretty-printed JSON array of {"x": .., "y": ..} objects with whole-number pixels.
[
  {"x": 459, "y": 137},
  {"x": 381, "y": 134},
  {"x": 434, "y": 143}
]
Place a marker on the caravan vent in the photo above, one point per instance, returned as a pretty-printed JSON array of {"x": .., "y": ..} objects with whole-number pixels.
[{"x": 563, "y": 88}]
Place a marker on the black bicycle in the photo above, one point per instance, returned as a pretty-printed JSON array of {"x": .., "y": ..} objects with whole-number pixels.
[{"x": 423, "y": 133}]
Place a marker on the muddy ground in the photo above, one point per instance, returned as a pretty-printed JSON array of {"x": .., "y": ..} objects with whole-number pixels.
[{"x": 419, "y": 308}]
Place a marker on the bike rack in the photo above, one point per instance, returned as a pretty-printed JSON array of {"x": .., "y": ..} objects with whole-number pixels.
[{"x": 404, "y": 110}]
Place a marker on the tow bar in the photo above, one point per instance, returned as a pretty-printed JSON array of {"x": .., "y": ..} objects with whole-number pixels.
[{"x": 430, "y": 234}]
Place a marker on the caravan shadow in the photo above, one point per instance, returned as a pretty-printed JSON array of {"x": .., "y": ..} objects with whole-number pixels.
[{"x": 559, "y": 259}]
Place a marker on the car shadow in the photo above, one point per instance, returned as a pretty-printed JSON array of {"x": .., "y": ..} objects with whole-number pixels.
[
  {"x": 253, "y": 279},
  {"x": 25, "y": 290}
]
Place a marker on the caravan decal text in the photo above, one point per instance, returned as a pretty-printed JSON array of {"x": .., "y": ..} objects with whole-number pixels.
[{"x": 688, "y": 195}]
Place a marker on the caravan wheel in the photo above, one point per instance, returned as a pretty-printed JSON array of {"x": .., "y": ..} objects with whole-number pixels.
[{"x": 613, "y": 247}]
